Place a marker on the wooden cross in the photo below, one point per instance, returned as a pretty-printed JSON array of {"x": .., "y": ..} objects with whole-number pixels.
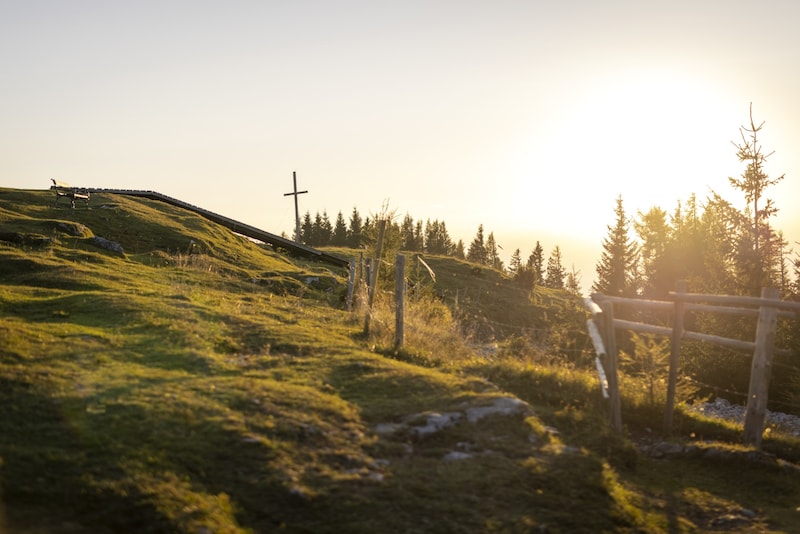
[{"x": 296, "y": 208}]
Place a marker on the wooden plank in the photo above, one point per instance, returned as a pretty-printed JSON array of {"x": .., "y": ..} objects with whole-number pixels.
[
  {"x": 233, "y": 225},
  {"x": 637, "y": 302},
  {"x": 642, "y": 327},
  {"x": 734, "y": 310},
  {"x": 730, "y": 300},
  {"x": 724, "y": 341}
]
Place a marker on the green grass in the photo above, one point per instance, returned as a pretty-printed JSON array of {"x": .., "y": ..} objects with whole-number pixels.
[{"x": 221, "y": 387}]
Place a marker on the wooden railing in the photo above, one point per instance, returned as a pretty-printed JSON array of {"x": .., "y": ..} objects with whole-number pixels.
[{"x": 603, "y": 325}]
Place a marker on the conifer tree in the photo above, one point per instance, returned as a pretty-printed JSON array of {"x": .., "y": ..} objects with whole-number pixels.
[
  {"x": 355, "y": 233},
  {"x": 573, "y": 284},
  {"x": 753, "y": 182},
  {"x": 437, "y": 241},
  {"x": 556, "y": 274},
  {"x": 407, "y": 237},
  {"x": 654, "y": 235},
  {"x": 306, "y": 229},
  {"x": 617, "y": 265},
  {"x": 477, "y": 249},
  {"x": 536, "y": 264},
  {"x": 515, "y": 263},
  {"x": 492, "y": 256},
  {"x": 459, "y": 250},
  {"x": 339, "y": 231}
]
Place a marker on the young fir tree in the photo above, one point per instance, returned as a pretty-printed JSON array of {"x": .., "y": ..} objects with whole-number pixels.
[
  {"x": 355, "y": 233},
  {"x": 573, "y": 284},
  {"x": 407, "y": 237},
  {"x": 616, "y": 270},
  {"x": 477, "y": 249},
  {"x": 555, "y": 275},
  {"x": 536, "y": 264},
  {"x": 458, "y": 252},
  {"x": 654, "y": 236},
  {"x": 306, "y": 229},
  {"x": 339, "y": 231},
  {"x": 515, "y": 263},
  {"x": 492, "y": 256},
  {"x": 753, "y": 182}
]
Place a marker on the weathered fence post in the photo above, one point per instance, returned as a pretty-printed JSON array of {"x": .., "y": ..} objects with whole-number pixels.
[
  {"x": 351, "y": 285},
  {"x": 373, "y": 279},
  {"x": 761, "y": 369},
  {"x": 614, "y": 404},
  {"x": 399, "y": 299},
  {"x": 674, "y": 356}
]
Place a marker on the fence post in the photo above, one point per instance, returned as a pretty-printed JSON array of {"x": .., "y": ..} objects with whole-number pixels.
[
  {"x": 372, "y": 282},
  {"x": 760, "y": 371},
  {"x": 614, "y": 403},
  {"x": 674, "y": 355},
  {"x": 351, "y": 285},
  {"x": 399, "y": 299}
]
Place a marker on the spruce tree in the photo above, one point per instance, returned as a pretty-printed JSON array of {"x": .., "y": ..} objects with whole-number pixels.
[
  {"x": 515, "y": 263},
  {"x": 477, "y": 249},
  {"x": 617, "y": 265},
  {"x": 573, "y": 284},
  {"x": 306, "y": 229},
  {"x": 536, "y": 264},
  {"x": 753, "y": 182},
  {"x": 556, "y": 273},
  {"x": 408, "y": 241},
  {"x": 339, "y": 231},
  {"x": 355, "y": 233},
  {"x": 492, "y": 256},
  {"x": 458, "y": 252}
]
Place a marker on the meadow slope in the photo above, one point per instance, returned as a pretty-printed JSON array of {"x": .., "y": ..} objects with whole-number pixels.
[{"x": 191, "y": 380}]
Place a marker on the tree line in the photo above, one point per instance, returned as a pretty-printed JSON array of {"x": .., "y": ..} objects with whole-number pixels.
[
  {"x": 712, "y": 245},
  {"x": 716, "y": 249},
  {"x": 432, "y": 237}
]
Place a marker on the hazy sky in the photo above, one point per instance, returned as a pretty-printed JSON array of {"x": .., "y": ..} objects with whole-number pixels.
[{"x": 528, "y": 117}]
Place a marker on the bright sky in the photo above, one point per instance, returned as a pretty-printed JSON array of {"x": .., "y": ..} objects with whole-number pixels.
[{"x": 528, "y": 117}]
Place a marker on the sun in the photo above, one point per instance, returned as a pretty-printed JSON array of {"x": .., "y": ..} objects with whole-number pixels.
[{"x": 653, "y": 136}]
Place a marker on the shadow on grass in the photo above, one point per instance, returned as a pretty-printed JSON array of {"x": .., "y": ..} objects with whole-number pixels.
[{"x": 46, "y": 469}]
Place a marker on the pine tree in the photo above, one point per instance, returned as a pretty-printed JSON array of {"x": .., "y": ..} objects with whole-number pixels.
[
  {"x": 617, "y": 265},
  {"x": 492, "y": 256},
  {"x": 536, "y": 264},
  {"x": 753, "y": 182},
  {"x": 306, "y": 229},
  {"x": 477, "y": 249},
  {"x": 408, "y": 241},
  {"x": 355, "y": 233},
  {"x": 555, "y": 270},
  {"x": 458, "y": 252},
  {"x": 574, "y": 281},
  {"x": 515, "y": 263},
  {"x": 339, "y": 231},
  {"x": 437, "y": 241},
  {"x": 654, "y": 236}
]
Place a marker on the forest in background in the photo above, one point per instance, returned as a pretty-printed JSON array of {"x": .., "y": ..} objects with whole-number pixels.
[{"x": 709, "y": 243}]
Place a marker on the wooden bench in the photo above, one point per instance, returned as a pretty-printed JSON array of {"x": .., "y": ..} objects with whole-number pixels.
[{"x": 65, "y": 190}]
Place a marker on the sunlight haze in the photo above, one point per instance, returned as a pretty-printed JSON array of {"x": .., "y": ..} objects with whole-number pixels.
[{"x": 527, "y": 117}]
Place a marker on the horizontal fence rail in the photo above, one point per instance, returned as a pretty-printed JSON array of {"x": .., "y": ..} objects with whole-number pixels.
[{"x": 766, "y": 309}]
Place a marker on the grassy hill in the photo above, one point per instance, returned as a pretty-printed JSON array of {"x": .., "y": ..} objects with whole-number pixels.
[{"x": 190, "y": 380}]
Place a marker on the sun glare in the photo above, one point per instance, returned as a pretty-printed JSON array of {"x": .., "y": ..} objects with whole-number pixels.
[{"x": 652, "y": 137}]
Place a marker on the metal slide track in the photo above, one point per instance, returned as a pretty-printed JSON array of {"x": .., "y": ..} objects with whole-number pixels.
[{"x": 235, "y": 226}]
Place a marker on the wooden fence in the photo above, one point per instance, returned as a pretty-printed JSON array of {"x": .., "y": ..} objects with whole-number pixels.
[{"x": 603, "y": 326}]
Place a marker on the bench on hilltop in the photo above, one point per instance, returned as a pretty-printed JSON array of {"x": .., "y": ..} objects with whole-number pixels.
[{"x": 65, "y": 190}]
